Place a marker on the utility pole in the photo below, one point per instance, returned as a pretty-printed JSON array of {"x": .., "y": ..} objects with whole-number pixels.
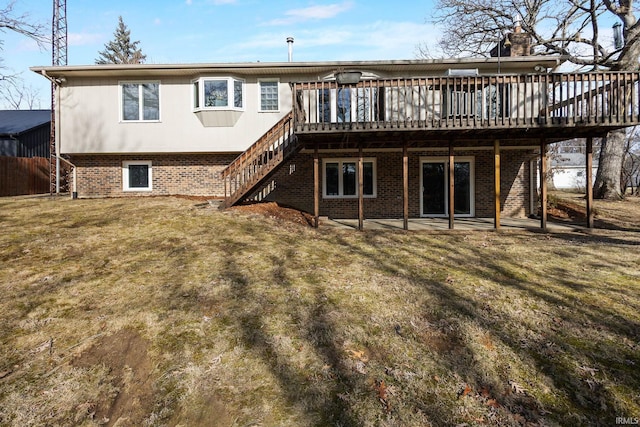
[{"x": 59, "y": 57}]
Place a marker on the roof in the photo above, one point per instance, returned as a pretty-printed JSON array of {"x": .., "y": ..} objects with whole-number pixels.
[
  {"x": 285, "y": 68},
  {"x": 13, "y": 122}
]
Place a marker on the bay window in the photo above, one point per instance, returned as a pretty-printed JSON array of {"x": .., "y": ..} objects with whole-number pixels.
[{"x": 218, "y": 93}]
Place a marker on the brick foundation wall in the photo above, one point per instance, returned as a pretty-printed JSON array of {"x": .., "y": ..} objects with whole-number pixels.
[
  {"x": 184, "y": 174},
  {"x": 292, "y": 185}
]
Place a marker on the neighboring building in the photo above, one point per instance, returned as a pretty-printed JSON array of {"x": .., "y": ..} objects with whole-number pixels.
[
  {"x": 569, "y": 172},
  {"x": 25, "y": 133},
  {"x": 24, "y": 151},
  {"x": 295, "y": 132}
]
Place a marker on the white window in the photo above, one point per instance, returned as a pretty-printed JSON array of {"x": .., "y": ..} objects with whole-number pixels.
[
  {"x": 340, "y": 178},
  {"x": 218, "y": 93},
  {"x": 137, "y": 176},
  {"x": 269, "y": 96},
  {"x": 140, "y": 101}
]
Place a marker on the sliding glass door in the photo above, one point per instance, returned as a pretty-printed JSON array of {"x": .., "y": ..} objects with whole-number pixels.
[{"x": 435, "y": 187}]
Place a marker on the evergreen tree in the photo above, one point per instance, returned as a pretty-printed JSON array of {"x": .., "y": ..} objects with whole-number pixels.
[{"x": 121, "y": 50}]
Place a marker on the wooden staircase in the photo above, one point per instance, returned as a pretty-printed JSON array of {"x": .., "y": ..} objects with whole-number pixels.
[{"x": 250, "y": 169}]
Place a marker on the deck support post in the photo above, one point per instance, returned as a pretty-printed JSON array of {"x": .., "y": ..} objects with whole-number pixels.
[
  {"x": 405, "y": 188},
  {"x": 316, "y": 187},
  {"x": 589, "y": 181},
  {"x": 543, "y": 185},
  {"x": 360, "y": 189},
  {"x": 496, "y": 181},
  {"x": 226, "y": 193},
  {"x": 452, "y": 185}
]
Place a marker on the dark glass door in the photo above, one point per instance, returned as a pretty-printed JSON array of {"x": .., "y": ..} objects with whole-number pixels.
[{"x": 435, "y": 188}]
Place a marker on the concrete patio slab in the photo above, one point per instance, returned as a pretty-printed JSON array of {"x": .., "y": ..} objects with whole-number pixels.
[{"x": 460, "y": 224}]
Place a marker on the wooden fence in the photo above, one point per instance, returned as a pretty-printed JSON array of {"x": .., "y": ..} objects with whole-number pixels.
[{"x": 24, "y": 175}]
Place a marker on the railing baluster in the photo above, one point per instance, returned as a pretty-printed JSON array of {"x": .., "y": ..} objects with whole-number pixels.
[{"x": 467, "y": 102}]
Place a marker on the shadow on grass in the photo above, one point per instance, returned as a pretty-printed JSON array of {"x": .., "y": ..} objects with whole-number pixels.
[
  {"x": 589, "y": 398},
  {"x": 551, "y": 346},
  {"x": 321, "y": 406}
]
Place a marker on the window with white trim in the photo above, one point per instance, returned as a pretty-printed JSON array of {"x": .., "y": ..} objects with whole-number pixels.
[
  {"x": 140, "y": 101},
  {"x": 218, "y": 93},
  {"x": 269, "y": 95},
  {"x": 340, "y": 178},
  {"x": 137, "y": 176}
]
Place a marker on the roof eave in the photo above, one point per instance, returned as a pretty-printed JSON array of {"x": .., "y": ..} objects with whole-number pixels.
[{"x": 285, "y": 68}]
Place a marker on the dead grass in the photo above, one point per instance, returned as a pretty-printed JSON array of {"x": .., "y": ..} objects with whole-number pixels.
[
  {"x": 608, "y": 214},
  {"x": 166, "y": 312}
]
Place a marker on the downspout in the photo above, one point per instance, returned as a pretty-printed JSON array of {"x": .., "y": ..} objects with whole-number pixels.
[{"x": 57, "y": 82}]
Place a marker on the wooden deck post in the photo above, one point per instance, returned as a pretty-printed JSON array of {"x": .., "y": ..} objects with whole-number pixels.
[
  {"x": 405, "y": 188},
  {"x": 316, "y": 188},
  {"x": 496, "y": 177},
  {"x": 543, "y": 184},
  {"x": 360, "y": 190},
  {"x": 452, "y": 186},
  {"x": 226, "y": 192},
  {"x": 589, "y": 181}
]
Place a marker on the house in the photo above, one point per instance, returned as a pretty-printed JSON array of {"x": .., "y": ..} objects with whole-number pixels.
[
  {"x": 568, "y": 171},
  {"x": 25, "y": 133},
  {"x": 341, "y": 139}
]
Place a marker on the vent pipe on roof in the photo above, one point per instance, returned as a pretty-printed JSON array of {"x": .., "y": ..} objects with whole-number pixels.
[{"x": 290, "y": 43}]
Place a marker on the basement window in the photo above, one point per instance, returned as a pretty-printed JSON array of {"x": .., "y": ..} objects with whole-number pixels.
[
  {"x": 340, "y": 178},
  {"x": 136, "y": 176}
]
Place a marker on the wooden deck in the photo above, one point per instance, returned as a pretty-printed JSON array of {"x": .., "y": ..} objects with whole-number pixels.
[{"x": 554, "y": 106}]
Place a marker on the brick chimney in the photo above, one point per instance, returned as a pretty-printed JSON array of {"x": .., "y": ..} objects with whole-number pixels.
[{"x": 516, "y": 43}]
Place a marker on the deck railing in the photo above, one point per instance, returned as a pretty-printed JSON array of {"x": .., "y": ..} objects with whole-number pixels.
[
  {"x": 469, "y": 102},
  {"x": 253, "y": 165}
]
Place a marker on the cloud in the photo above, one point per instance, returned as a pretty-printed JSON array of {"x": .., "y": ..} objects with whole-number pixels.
[
  {"x": 188, "y": 2},
  {"x": 381, "y": 40},
  {"x": 312, "y": 13},
  {"x": 157, "y": 21},
  {"x": 84, "y": 39}
]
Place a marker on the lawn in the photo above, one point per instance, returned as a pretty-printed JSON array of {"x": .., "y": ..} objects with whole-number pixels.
[{"x": 168, "y": 312}]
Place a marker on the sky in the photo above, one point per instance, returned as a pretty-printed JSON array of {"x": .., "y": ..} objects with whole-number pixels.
[{"x": 206, "y": 31}]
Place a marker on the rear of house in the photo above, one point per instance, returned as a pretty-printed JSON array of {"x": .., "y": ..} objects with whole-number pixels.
[{"x": 305, "y": 135}]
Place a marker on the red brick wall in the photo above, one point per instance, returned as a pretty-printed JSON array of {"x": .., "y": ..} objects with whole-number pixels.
[
  {"x": 293, "y": 184},
  {"x": 186, "y": 174}
]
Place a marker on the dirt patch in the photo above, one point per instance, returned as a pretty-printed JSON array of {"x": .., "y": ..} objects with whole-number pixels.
[
  {"x": 566, "y": 210},
  {"x": 196, "y": 198},
  {"x": 125, "y": 354},
  {"x": 276, "y": 211}
]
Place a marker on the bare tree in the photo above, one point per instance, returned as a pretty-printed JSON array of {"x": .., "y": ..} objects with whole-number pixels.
[
  {"x": 571, "y": 28},
  {"x": 630, "y": 176},
  {"x": 21, "y": 24},
  {"x": 18, "y": 96}
]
